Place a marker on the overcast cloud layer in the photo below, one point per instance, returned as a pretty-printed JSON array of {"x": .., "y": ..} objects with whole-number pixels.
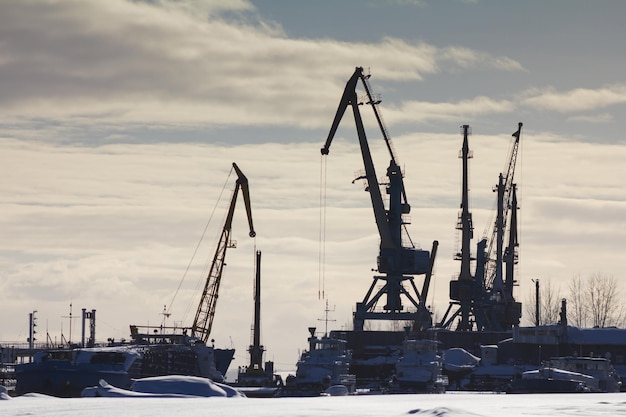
[{"x": 119, "y": 122}]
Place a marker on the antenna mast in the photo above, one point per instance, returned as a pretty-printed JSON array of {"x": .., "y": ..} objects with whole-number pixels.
[{"x": 326, "y": 319}]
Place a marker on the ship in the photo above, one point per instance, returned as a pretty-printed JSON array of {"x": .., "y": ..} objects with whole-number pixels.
[
  {"x": 326, "y": 364},
  {"x": 568, "y": 374},
  {"x": 67, "y": 372},
  {"x": 419, "y": 368},
  {"x": 552, "y": 380},
  {"x": 173, "y": 339}
]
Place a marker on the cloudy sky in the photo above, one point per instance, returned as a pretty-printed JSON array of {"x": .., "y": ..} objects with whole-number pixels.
[{"x": 120, "y": 120}]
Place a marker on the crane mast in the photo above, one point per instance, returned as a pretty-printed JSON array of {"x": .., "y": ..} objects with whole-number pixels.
[
  {"x": 505, "y": 190},
  {"x": 464, "y": 289},
  {"x": 203, "y": 321},
  {"x": 396, "y": 262},
  {"x": 485, "y": 300},
  {"x": 255, "y": 349}
]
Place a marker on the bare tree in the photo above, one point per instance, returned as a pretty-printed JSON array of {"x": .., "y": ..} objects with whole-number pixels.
[
  {"x": 604, "y": 301},
  {"x": 595, "y": 301},
  {"x": 577, "y": 309},
  {"x": 549, "y": 304}
]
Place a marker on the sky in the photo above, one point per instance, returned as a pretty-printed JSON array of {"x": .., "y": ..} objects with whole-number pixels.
[{"x": 120, "y": 121}]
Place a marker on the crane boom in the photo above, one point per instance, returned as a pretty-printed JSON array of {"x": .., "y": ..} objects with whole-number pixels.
[
  {"x": 349, "y": 98},
  {"x": 242, "y": 180},
  {"x": 372, "y": 101},
  {"x": 203, "y": 321}
]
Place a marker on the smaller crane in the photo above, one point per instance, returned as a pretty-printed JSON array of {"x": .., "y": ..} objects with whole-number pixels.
[
  {"x": 203, "y": 322},
  {"x": 256, "y": 349},
  {"x": 255, "y": 374}
]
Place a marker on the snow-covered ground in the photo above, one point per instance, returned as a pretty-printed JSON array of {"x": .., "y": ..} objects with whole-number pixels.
[
  {"x": 451, "y": 404},
  {"x": 190, "y": 396}
]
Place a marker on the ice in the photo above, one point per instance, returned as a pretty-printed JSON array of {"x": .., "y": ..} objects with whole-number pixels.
[{"x": 450, "y": 404}]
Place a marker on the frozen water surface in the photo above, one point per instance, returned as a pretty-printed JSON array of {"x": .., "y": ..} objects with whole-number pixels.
[{"x": 450, "y": 404}]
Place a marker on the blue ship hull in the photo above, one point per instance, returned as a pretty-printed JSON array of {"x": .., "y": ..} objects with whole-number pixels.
[
  {"x": 545, "y": 386},
  {"x": 223, "y": 358},
  {"x": 64, "y": 379}
]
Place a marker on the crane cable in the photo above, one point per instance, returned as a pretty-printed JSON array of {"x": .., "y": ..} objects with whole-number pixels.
[
  {"x": 195, "y": 252},
  {"x": 322, "y": 230}
]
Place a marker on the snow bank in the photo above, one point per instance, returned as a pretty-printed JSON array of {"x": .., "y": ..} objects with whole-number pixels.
[
  {"x": 458, "y": 359},
  {"x": 188, "y": 385},
  {"x": 4, "y": 394},
  {"x": 165, "y": 386},
  {"x": 104, "y": 389}
]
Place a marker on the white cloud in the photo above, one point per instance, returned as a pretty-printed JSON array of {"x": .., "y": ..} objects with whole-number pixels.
[
  {"x": 576, "y": 100},
  {"x": 412, "y": 111},
  {"x": 593, "y": 118},
  {"x": 138, "y": 63},
  {"x": 465, "y": 58},
  {"x": 202, "y": 7}
]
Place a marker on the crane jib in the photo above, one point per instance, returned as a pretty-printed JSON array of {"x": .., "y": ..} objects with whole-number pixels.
[{"x": 205, "y": 313}]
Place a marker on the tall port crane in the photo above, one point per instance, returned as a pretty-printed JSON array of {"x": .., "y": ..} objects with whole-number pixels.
[
  {"x": 466, "y": 289},
  {"x": 506, "y": 190},
  {"x": 203, "y": 322},
  {"x": 485, "y": 301},
  {"x": 501, "y": 311},
  {"x": 397, "y": 263}
]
